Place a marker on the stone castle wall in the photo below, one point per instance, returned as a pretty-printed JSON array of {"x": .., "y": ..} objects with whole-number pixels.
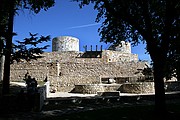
[
  {"x": 67, "y": 69},
  {"x": 118, "y": 56}
]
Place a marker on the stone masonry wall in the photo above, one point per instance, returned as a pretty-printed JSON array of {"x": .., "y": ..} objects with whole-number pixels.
[
  {"x": 66, "y": 69},
  {"x": 118, "y": 56},
  {"x": 138, "y": 87},
  {"x": 91, "y": 73},
  {"x": 100, "y": 69},
  {"x": 19, "y": 70}
]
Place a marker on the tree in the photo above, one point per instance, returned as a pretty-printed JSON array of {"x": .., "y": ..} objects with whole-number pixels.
[
  {"x": 8, "y": 9},
  {"x": 154, "y": 22},
  {"x": 3, "y": 30},
  {"x": 8, "y": 38},
  {"x": 148, "y": 72},
  {"x": 28, "y": 49},
  {"x": 173, "y": 66}
]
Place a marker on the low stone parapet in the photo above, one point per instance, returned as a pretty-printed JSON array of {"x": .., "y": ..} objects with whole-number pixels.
[
  {"x": 88, "y": 88},
  {"x": 94, "y": 88},
  {"x": 111, "y": 87},
  {"x": 38, "y": 102},
  {"x": 172, "y": 86},
  {"x": 138, "y": 87}
]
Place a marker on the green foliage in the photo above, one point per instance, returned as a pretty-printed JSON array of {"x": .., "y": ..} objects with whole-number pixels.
[
  {"x": 34, "y": 5},
  {"x": 29, "y": 49},
  {"x": 8, "y": 9},
  {"x": 155, "y": 22},
  {"x": 173, "y": 67},
  {"x": 3, "y": 21},
  {"x": 148, "y": 72},
  {"x": 17, "y": 53}
]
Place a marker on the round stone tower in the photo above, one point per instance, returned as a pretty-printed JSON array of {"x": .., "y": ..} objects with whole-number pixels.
[{"x": 65, "y": 43}]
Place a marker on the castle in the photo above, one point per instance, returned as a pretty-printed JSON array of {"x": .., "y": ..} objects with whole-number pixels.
[{"x": 66, "y": 66}]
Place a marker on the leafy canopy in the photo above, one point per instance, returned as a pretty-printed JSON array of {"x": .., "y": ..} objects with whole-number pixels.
[
  {"x": 154, "y": 22},
  {"x": 22, "y": 50},
  {"x": 29, "y": 48},
  {"x": 34, "y": 5}
]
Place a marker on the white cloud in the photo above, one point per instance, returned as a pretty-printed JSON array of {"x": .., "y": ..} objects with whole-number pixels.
[{"x": 83, "y": 26}]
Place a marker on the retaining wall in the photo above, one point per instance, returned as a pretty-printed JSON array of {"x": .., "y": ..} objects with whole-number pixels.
[
  {"x": 64, "y": 70},
  {"x": 138, "y": 87}
]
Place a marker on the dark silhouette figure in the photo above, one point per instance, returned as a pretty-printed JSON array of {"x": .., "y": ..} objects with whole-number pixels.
[
  {"x": 46, "y": 79},
  {"x": 31, "y": 85},
  {"x": 26, "y": 75}
]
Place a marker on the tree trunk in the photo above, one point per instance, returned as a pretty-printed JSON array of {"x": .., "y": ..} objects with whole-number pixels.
[
  {"x": 1, "y": 67},
  {"x": 160, "y": 101},
  {"x": 6, "y": 77},
  {"x": 178, "y": 66},
  {"x": 178, "y": 71},
  {"x": 1, "y": 58}
]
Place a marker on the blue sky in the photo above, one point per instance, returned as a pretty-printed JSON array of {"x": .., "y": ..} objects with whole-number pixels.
[{"x": 65, "y": 19}]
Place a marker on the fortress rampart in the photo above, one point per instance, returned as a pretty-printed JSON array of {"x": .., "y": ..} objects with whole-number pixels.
[
  {"x": 66, "y": 66},
  {"x": 67, "y": 69}
]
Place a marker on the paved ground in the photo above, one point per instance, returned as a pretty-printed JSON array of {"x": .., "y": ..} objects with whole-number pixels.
[
  {"x": 70, "y": 108},
  {"x": 66, "y": 94}
]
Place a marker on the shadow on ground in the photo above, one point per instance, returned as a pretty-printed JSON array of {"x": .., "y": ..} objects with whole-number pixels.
[{"x": 15, "y": 107}]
